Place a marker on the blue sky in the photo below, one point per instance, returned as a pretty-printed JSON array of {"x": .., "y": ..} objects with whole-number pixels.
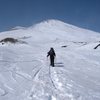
[{"x": 25, "y": 13}]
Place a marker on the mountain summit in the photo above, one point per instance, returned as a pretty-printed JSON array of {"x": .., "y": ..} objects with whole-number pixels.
[{"x": 66, "y": 30}]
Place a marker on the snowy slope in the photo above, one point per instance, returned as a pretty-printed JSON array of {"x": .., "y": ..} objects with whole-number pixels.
[{"x": 25, "y": 73}]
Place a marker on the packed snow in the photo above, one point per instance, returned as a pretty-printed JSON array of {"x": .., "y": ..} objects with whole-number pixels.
[{"x": 25, "y": 71}]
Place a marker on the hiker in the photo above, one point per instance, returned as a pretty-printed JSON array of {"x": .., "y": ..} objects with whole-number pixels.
[{"x": 52, "y": 55}]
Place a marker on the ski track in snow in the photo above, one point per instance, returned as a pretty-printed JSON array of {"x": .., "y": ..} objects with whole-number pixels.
[{"x": 44, "y": 81}]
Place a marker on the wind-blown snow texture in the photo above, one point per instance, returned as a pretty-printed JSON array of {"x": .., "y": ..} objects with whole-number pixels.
[{"x": 25, "y": 73}]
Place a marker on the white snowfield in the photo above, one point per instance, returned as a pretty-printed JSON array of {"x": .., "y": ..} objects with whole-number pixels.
[{"x": 25, "y": 73}]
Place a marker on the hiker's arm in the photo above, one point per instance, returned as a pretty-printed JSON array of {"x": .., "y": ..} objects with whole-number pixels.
[
  {"x": 48, "y": 54},
  {"x": 54, "y": 54}
]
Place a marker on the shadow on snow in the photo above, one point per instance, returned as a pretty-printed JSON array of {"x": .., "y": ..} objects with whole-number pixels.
[{"x": 59, "y": 64}]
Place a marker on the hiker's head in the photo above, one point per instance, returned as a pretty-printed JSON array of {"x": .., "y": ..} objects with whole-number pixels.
[{"x": 51, "y": 48}]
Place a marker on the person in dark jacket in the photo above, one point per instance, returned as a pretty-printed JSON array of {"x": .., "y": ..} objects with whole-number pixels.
[{"x": 52, "y": 55}]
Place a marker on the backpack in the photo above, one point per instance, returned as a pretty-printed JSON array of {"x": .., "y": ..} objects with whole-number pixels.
[{"x": 51, "y": 52}]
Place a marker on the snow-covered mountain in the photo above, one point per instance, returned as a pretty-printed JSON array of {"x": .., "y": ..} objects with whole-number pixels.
[
  {"x": 52, "y": 30},
  {"x": 25, "y": 73}
]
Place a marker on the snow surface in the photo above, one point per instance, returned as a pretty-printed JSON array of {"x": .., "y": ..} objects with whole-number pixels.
[{"x": 25, "y": 73}]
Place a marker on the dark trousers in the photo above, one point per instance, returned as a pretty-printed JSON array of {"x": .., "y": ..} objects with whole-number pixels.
[{"x": 52, "y": 61}]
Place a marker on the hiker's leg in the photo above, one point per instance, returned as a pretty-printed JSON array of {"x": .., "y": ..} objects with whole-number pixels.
[{"x": 53, "y": 62}]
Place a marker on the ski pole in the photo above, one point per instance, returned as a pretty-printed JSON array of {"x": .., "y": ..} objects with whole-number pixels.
[
  {"x": 47, "y": 61},
  {"x": 55, "y": 60}
]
